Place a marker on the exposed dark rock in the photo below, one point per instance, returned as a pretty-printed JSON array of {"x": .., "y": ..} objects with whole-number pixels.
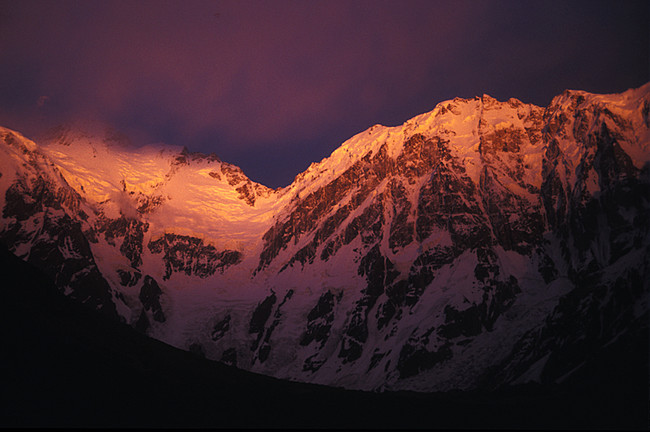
[
  {"x": 129, "y": 279},
  {"x": 234, "y": 174},
  {"x": 419, "y": 155},
  {"x": 554, "y": 194},
  {"x": 368, "y": 226},
  {"x": 401, "y": 230},
  {"x": 183, "y": 157},
  {"x": 516, "y": 223},
  {"x": 304, "y": 256},
  {"x": 376, "y": 358},
  {"x": 265, "y": 346},
  {"x": 260, "y": 315},
  {"x": 502, "y": 140},
  {"x": 148, "y": 204},
  {"x": 247, "y": 193},
  {"x": 10, "y": 139},
  {"x": 312, "y": 363},
  {"x": 415, "y": 358},
  {"x": 547, "y": 267},
  {"x": 498, "y": 296},
  {"x": 150, "y": 297},
  {"x": 379, "y": 272},
  {"x": 191, "y": 256},
  {"x": 221, "y": 328},
  {"x": 447, "y": 202},
  {"x": 467, "y": 322},
  {"x": 131, "y": 230},
  {"x": 407, "y": 292},
  {"x": 26, "y": 197},
  {"x": 19, "y": 202},
  {"x": 229, "y": 357},
  {"x": 319, "y": 320}
]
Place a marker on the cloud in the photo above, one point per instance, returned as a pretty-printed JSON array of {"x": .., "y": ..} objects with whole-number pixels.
[
  {"x": 294, "y": 76},
  {"x": 258, "y": 71}
]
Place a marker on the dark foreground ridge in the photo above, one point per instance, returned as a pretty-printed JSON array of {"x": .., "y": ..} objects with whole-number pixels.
[{"x": 64, "y": 365}]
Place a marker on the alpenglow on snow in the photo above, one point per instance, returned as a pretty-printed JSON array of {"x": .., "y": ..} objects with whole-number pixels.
[{"x": 469, "y": 247}]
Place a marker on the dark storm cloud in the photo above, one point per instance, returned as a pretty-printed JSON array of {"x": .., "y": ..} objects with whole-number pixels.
[{"x": 273, "y": 86}]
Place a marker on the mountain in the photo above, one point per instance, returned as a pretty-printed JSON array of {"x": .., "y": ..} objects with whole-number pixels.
[
  {"x": 68, "y": 366},
  {"x": 480, "y": 245}
]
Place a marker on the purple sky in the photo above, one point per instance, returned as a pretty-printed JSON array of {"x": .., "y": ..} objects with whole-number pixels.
[{"x": 272, "y": 86}]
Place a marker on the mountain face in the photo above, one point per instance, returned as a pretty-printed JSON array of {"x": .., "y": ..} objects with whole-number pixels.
[
  {"x": 483, "y": 243},
  {"x": 58, "y": 373}
]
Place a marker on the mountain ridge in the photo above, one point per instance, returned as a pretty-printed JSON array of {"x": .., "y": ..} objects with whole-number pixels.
[{"x": 416, "y": 257}]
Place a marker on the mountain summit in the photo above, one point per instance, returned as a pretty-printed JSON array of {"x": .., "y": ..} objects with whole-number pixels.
[{"x": 483, "y": 243}]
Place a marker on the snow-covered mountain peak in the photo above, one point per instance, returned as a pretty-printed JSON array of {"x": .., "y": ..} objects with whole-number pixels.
[
  {"x": 460, "y": 122},
  {"x": 167, "y": 187},
  {"x": 421, "y": 256},
  {"x": 352, "y": 150},
  {"x": 576, "y": 116}
]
